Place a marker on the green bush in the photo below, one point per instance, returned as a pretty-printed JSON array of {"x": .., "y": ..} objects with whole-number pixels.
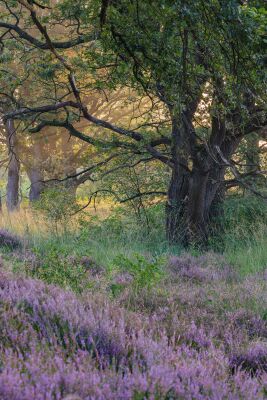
[
  {"x": 146, "y": 273},
  {"x": 57, "y": 269},
  {"x": 58, "y": 205}
]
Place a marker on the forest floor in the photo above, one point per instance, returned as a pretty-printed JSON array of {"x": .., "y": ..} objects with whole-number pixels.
[{"x": 93, "y": 313}]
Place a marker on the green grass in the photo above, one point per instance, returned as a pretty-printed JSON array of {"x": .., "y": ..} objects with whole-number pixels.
[
  {"x": 248, "y": 257},
  {"x": 243, "y": 240},
  {"x": 245, "y": 235}
]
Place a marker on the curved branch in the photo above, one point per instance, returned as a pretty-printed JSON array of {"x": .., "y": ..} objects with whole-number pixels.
[
  {"x": 96, "y": 121},
  {"x": 237, "y": 175},
  {"x": 42, "y": 109},
  {"x": 44, "y": 46}
]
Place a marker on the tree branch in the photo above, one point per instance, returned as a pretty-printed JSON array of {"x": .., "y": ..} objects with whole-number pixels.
[
  {"x": 42, "y": 109},
  {"x": 44, "y": 46},
  {"x": 237, "y": 175},
  {"x": 143, "y": 194}
]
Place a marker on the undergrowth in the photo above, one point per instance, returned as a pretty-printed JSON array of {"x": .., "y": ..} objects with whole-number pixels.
[
  {"x": 133, "y": 313},
  {"x": 122, "y": 236}
]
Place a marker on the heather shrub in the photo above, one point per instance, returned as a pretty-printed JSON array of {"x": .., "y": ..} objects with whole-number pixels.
[
  {"x": 186, "y": 266},
  {"x": 58, "y": 318},
  {"x": 253, "y": 324},
  {"x": 54, "y": 345},
  {"x": 204, "y": 268},
  {"x": 110, "y": 323},
  {"x": 253, "y": 360},
  {"x": 9, "y": 240},
  {"x": 89, "y": 264},
  {"x": 26, "y": 257},
  {"x": 68, "y": 264}
]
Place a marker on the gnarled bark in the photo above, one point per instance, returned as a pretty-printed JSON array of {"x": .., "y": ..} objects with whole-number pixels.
[{"x": 195, "y": 193}]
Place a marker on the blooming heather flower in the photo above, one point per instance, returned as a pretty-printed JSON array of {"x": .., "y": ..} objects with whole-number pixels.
[
  {"x": 9, "y": 240},
  {"x": 55, "y": 346}
]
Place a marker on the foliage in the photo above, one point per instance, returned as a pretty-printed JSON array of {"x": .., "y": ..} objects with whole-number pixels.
[
  {"x": 124, "y": 231},
  {"x": 146, "y": 273},
  {"x": 168, "y": 99},
  {"x": 184, "y": 80},
  {"x": 54, "y": 268},
  {"x": 58, "y": 205}
]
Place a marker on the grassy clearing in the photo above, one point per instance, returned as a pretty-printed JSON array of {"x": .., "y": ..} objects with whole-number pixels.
[{"x": 92, "y": 233}]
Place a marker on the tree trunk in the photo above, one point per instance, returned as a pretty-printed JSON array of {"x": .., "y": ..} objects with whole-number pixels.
[
  {"x": 35, "y": 171},
  {"x": 195, "y": 194},
  {"x": 69, "y": 168},
  {"x": 178, "y": 188},
  {"x": 71, "y": 186},
  {"x": 176, "y": 205},
  {"x": 36, "y": 178},
  {"x": 197, "y": 203},
  {"x": 12, "y": 189}
]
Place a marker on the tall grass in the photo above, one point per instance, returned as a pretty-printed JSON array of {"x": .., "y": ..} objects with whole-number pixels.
[
  {"x": 245, "y": 233},
  {"x": 243, "y": 239}
]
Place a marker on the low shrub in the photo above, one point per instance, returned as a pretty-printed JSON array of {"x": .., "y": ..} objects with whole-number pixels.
[
  {"x": 204, "y": 268},
  {"x": 61, "y": 270},
  {"x": 139, "y": 271},
  {"x": 253, "y": 360},
  {"x": 55, "y": 345},
  {"x": 9, "y": 240}
]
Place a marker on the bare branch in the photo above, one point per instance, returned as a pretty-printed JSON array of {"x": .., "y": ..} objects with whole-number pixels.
[
  {"x": 143, "y": 194},
  {"x": 42, "y": 109},
  {"x": 238, "y": 176}
]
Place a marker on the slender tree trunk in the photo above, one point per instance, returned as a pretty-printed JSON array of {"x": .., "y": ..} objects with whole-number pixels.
[
  {"x": 12, "y": 189},
  {"x": 36, "y": 178},
  {"x": 35, "y": 171},
  {"x": 72, "y": 186},
  {"x": 69, "y": 168}
]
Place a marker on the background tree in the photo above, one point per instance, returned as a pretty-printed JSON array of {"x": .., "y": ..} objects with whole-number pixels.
[{"x": 172, "y": 57}]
